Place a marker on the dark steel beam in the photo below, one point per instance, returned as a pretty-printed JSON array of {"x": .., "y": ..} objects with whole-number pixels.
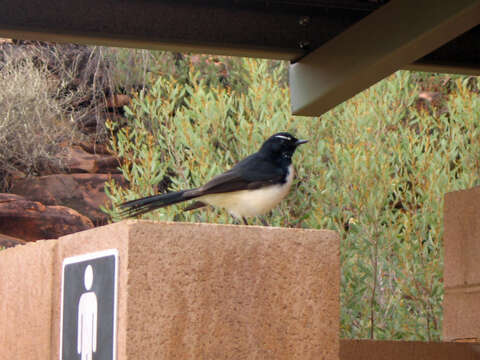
[
  {"x": 459, "y": 56},
  {"x": 294, "y": 30},
  {"x": 390, "y": 38},
  {"x": 221, "y": 27},
  {"x": 281, "y": 29}
]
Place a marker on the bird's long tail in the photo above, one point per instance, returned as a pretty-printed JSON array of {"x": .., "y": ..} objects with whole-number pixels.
[{"x": 141, "y": 206}]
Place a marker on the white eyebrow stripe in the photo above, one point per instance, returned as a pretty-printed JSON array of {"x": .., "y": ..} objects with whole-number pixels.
[{"x": 283, "y": 137}]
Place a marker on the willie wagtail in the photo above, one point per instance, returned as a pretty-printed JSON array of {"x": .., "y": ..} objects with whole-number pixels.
[{"x": 252, "y": 187}]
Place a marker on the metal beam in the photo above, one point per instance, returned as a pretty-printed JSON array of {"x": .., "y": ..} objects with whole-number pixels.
[
  {"x": 276, "y": 29},
  {"x": 445, "y": 67},
  {"x": 390, "y": 38},
  {"x": 247, "y": 28},
  {"x": 459, "y": 56}
]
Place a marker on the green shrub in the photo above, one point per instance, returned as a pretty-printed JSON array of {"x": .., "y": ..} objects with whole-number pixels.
[
  {"x": 210, "y": 130},
  {"x": 375, "y": 170},
  {"x": 131, "y": 69}
]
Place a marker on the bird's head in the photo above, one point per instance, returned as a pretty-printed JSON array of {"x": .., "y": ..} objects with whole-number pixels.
[{"x": 281, "y": 145}]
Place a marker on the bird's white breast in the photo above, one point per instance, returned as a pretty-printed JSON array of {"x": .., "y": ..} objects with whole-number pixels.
[{"x": 246, "y": 203}]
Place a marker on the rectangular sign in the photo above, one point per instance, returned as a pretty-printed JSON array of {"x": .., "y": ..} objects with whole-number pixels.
[{"x": 89, "y": 302}]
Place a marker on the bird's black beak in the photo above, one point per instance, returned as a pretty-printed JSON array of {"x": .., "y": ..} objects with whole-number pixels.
[{"x": 300, "y": 142}]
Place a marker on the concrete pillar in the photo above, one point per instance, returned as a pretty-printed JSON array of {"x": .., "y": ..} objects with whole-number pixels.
[
  {"x": 461, "y": 319},
  {"x": 186, "y": 291},
  {"x": 26, "y": 290}
]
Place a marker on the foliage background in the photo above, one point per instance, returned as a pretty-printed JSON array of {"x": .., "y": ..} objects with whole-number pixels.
[
  {"x": 375, "y": 170},
  {"x": 33, "y": 119},
  {"x": 49, "y": 95}
]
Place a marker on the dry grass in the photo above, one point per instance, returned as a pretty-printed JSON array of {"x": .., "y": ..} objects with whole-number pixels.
[
  {"x": 33, "y": 119},
  {"x": 50, "y": 96}
]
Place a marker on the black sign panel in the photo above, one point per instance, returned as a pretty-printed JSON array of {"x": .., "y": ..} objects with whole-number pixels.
[{"x": 89, "y": 297}]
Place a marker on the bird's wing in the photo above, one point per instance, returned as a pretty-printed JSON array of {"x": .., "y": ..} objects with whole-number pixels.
[{"x": 251, "y": 173}]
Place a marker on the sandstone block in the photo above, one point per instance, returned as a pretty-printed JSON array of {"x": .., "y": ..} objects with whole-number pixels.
[
  {"x": 406, "y": 350},
  {"x": 199, "y": 291},
  {"x": 462, "y": 238},
  {"x": 26, "y": 288},
  {"x": 461, "y": 315},
  {"x": 186, "y": 291},
  {"x": 462, "y": 265}
]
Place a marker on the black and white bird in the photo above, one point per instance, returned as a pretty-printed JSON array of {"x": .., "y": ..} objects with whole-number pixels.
[{"x": 252, "y": 187}]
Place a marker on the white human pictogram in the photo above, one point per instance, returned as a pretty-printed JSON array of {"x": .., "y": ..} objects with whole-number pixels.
[{"x": 87, "y": 319}]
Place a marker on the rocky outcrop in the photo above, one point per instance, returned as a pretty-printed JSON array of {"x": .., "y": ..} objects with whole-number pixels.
[
  {"x": 68, "y": 191},
  {"x": 31, "y": 220},
  {"x": 7, "y": 241},
  {"x": 81, "y": 192},
  {"x": 117, "y": 101},
  {"x": 79, "y": 161}
]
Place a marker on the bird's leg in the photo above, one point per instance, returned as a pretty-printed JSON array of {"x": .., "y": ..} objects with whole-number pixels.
[
  {"x": 244, "y": 220},
  {"x": 263, "y": 221}
]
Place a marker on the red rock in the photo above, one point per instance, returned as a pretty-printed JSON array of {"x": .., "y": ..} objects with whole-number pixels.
[
  {"x": 89, "y": 123},
  {"x": 31, "y": 220},
  {"x": 430, "y": 96},
  {"x": 94, "y": 148},
  {"x": 78, "y": 160},
  {"x": 429, "y": 99},
  {"x": 118, "y": 101},
  {"x": 106, "y": 165},
  {"x": 10, "y": 241},
  {"x": 82, "y": 192}
]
